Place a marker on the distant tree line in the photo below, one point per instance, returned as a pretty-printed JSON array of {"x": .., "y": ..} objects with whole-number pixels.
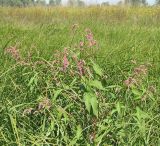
[
  {"x": 158, "y": 2},
  {"x": 132, "y": 3},
  {"x": 16, "y": 2},
  {"x": 139, "y": 2},
  {"x": 23, "y": 3},
  {"x": 28, "y": 2},
  {"x": 135, "y": 2}
]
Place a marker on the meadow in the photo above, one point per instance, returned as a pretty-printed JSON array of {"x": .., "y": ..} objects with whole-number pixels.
[{"x": 80, "y": 76}]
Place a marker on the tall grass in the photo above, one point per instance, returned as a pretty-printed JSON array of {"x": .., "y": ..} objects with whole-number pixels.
[{"x": 102, "y": 89}]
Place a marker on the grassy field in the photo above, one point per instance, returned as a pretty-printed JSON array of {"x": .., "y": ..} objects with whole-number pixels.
[{"x": 80, "y": 76}]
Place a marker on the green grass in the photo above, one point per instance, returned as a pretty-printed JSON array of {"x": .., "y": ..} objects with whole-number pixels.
[{"x": 40, "y": 104}]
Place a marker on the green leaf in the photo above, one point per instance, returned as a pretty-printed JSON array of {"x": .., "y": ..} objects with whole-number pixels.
[
  {"x": 33, "y": 80},
  {"x": 87, "y": 101},
  {"x": 138, "y": 94},
  {"x": 90, "y": 100},
  {"x": 97, "y": 69},
  {"x": 94, "y": 104},
  {"x": 118, "y": 107},
  {"x": 56, "y": 94},
  {"x": 73, "y": 82},
  {"x": 141, "y": 114},
  {"x": 79, "y": 132},
  {"x": 97, "y": 84},
  {"x": 66, "y": 87},
  {"x": 113, "y": 96}
]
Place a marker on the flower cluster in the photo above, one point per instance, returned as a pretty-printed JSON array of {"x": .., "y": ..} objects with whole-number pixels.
[
  {"x": 141, "y": 70},
  {"x": 74, "y": 59},
  {"x": 70, "y": 56},
  {"x": 136, "y": 76},
  {"x": 130, "y": 82},
  {"x": 65, "y": 60},
  {"x": 80, "y": 66},
  {"x": 44, "y": 104},
  {"x": 14, "y": 52},
  {"x": 90, "y": 38}
]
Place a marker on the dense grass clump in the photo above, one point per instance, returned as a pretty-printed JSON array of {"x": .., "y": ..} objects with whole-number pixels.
[{"x": 80, "y": 76}]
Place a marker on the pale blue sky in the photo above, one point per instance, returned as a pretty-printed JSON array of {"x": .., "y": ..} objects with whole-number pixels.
[{"x": 100, "y": 1}]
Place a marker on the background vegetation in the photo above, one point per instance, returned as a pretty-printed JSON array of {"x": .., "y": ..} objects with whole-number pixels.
[
  {"x": 102, "y": 89},
  {"x": 24, "y": 3}
]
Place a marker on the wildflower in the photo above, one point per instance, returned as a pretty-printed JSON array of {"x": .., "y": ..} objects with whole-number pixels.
[
  {"x": 75, "y": 58},
  {"x": 14, "y": 52},
  {"x": 130, "y": 81},
  {"x": 27, "y": 111},
  {"x": 80, "y": 66},
  {"x": 65, "y": 60},
  {"x": 44, "y": 104},
  {"x": 92, "y": 43},
  {"x": 141, "y": 70},
  {"x": 151, "y": 90},
  {"x": 81, "y": 44},
  {"x": 89, "y": 36}
]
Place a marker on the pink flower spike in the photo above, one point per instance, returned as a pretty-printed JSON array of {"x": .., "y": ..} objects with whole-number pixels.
[
  {"x": 80, "y": 66},
  {"x": 81, "y": 44},
  {"x": 92, "y": 43},
  {"x": 74, "y": 58},
  {"x": 14, "y": 52},
  {"x": 89, "y": 36},
  {"x": 130, "y": 82},
  {"x": 65, "y": 62}
]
